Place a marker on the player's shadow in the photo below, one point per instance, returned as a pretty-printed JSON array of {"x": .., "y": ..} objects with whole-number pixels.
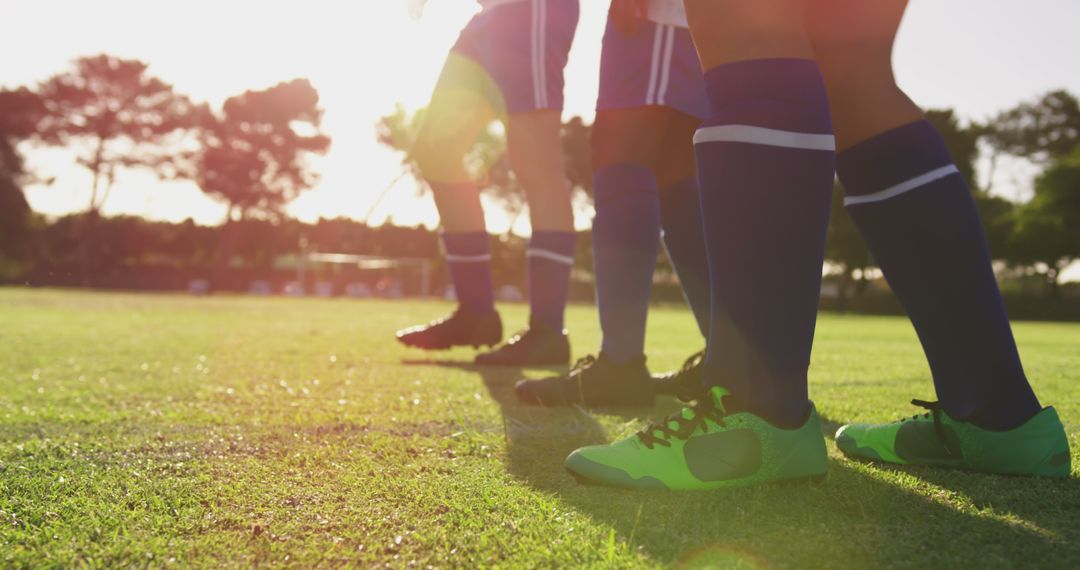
[{"x": 863, "y": 516}]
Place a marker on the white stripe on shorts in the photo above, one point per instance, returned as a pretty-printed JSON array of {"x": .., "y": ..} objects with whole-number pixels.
[
  {"x": 903, "y": 187},
  {"x": 665, "y": 74},
  {"x": 768, "y": 137},
  {"x": 654, "y": 69},
  {"x": 551, "y": 256}
]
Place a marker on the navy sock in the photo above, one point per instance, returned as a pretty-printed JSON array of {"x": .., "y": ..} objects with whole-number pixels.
[
  {"x": 469, "y": 257},
  {"x": 551, "y": 257},
  {"x": 626, "y": 241},
  {"x": 916, "y": 213},
  {"x": 684, "y": 239},
  {"x": 766, "y": 159}
]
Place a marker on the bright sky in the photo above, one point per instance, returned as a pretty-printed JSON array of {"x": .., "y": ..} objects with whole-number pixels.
[{"x": 978, "y": 56}]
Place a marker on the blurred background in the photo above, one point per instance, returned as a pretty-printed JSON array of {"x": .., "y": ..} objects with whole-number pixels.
[{"x": 263, "y": 147}]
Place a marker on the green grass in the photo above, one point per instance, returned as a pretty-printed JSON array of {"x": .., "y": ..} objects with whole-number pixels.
[{"x": 140, "y": 430}]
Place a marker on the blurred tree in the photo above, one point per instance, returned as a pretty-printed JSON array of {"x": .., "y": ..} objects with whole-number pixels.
[
  {"x": 1043, "y": 130},
  {"x": 254, "y": 157},
  {"x": 254, "y": 154},
  {"x": 1048, "y": 227},
  {"x": 115, "y": 115},
  {"x": 20, "y": 111}
]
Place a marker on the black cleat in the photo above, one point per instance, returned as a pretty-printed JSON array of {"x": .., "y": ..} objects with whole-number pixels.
[
  {"x": 593, "y": 382},
  {"x": 685, "y": 383},
  {"x": 540, "y": 345},
  {"x": 462, "y": 328}
]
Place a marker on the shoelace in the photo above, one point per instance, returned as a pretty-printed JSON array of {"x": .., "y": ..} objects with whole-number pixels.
[
  {"x": 934, "y": 413},
  {"x": 581, "y": 365},
  {"x": 688, "y": 384},
  {"x": 691, "y": 363},
  {"x": 518, "y": 337},
  {"x": 662, "y": 432}
]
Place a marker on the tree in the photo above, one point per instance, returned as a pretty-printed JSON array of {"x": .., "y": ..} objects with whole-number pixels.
[
  {"x": 1048, "y": 227},
  {"x": 115, "y": 115},
  {"x": 20, "y": 111},
  {"x": 1043, "y": 130},
  {"x": 254, "y": 154}
]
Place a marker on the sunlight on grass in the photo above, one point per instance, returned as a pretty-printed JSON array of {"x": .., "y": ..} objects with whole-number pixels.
[{"x": 148, "y": 430}]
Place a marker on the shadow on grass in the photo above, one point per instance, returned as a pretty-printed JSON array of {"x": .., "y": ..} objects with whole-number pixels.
[{"x": 863, "y": 516}]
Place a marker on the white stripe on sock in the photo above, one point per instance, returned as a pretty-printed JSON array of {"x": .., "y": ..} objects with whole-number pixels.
[
  {"x": 551, "y": 255},
  {"x": 654, "y": 69},
  {"x": 665, "y": 75},
  {"x": 903, "y": 187},
  {"x": 768, "y": 137},
  {"x": 468, "y": 258}
]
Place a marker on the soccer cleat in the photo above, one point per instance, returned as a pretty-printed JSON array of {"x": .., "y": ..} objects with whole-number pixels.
[
  {"x": 592, "y": 382},
  {"x": 539, "y": 345},
  {"x": 462, "y": 328},
  {"x": 704, "y": 447},
  {"x": 1039, "y": 447},
  {"x": 685, "y": 383}
]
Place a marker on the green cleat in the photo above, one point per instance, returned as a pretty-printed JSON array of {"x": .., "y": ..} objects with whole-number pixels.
[
  {"x": 1039, "y": 447},
  {"x": 704, "y": 447}
]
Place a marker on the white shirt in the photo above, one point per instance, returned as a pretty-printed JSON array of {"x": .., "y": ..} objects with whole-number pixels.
[{"x": 669, "y": 12}]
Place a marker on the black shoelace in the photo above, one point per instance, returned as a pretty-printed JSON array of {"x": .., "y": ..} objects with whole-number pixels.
[
  {"x": 933, "y": 413},
  {"x": 687, "y": 380},
  {"x": 662, "y": 432},
  {"x": 691, "y": 363},
  {"x": 581, "y": 366}
]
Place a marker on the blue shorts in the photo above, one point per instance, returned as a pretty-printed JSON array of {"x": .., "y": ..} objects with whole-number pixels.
[
  {"x": 523, "y": 45},
  {"x": 657, "y": 65}
]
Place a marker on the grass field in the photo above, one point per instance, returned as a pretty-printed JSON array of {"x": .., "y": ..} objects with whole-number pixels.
[{"x": 140, "y": 430}]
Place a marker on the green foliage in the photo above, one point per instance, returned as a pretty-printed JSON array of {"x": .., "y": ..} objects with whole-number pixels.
[
  {"x": 296, "y": 433},
  {"x": 1041, "y": 130},
  {"x": 1048, "y": 227}
]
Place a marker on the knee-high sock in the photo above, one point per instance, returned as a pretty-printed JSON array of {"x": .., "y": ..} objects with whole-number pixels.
[
  {"x": 469, "y": 257},
  {"x": 917, "y": 214},
  {"x": 551, "y": 257},
  {"x": 626, "y": 241},
  {"x": 684, "y": 239},
  {"x": 766, "y": 159}
]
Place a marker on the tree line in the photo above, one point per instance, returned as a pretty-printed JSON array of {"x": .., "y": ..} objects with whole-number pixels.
[
  {"x": 252, "y": 154},
  {"x": 112, "y": 114}
]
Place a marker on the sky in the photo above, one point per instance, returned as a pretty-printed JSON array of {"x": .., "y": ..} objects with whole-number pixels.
[{"x": 366, "y": 56}]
